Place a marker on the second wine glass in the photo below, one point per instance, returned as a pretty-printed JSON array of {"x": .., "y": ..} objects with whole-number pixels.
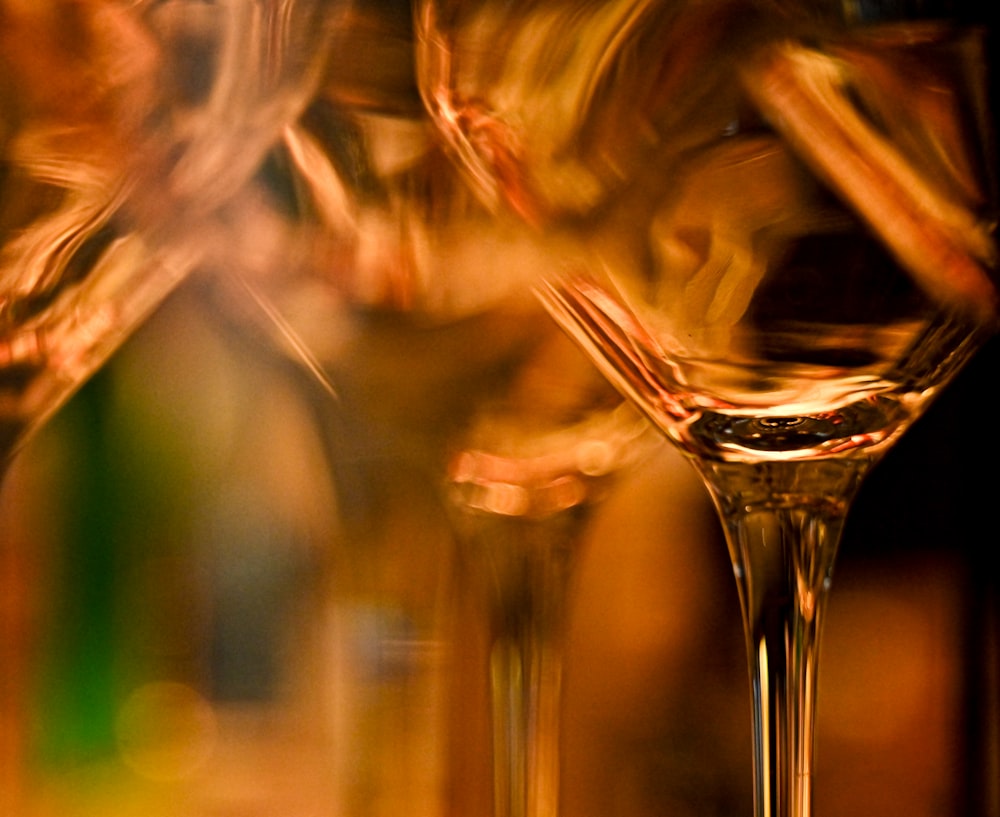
[{"x": 415, "y": 303}]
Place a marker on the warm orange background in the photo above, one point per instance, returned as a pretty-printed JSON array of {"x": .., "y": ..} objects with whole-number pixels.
[{"x": 188, "y": 418}]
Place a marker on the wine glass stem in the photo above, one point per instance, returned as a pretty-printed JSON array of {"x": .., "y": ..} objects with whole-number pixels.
[
  {"x": 530, "y": 575},
  {"x": 526, "y": 689},
  {"x": 783, "y": 526}
]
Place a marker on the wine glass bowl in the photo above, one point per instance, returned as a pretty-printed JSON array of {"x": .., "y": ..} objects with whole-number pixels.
[
  {"x": 125, "y": 127},
  {"x": 789, "y": 322},
  {"x": 744, "y": 238},
  {"x": 64, "y": 134}
]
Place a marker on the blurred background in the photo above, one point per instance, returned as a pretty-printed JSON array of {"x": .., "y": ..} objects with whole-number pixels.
[
  {"x": 179, "y": 584},
  {"x": 203, "y": 615}
]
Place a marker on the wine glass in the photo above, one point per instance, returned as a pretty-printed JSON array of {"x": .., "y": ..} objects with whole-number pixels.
[
  {"x": 414, "y": 303},
  {"x": 123, "y": 126},
  {"x": 795, "y": 208}
]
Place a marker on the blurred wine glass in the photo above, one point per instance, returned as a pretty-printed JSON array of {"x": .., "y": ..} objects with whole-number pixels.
[
  {"x": 414, "y": 303},
  {"x": 123, "y": 127},
  {"x": 795, "y": 205}
]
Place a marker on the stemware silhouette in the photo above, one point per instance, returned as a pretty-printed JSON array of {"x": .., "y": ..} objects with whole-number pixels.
[
  {"x": 415, "y": 303},
  {"x": 123, "y": 126},
  {"x": 795, "y": 208}
]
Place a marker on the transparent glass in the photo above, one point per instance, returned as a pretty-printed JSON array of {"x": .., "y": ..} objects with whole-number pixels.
[
  {"x": 123, "y": 127},
  {"x": 793, "y": 205},
  {"x": 414, "y": 303}
]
